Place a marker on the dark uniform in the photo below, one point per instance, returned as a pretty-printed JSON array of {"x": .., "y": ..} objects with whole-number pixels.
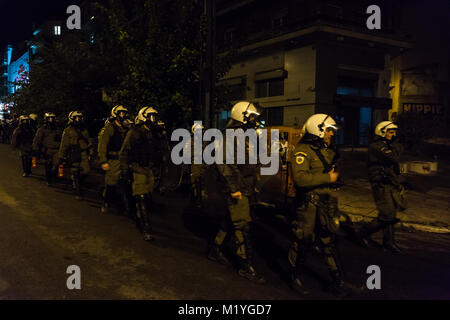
[
  {"x": 317, "y": 218},
  {"x": 197, "y": 175},
  {"x": 246, "y": 179},
  {"x": 22, "y": 139},
  {"x": 4, "y": 132},
  {"x": 384, "y": 172},
  {"x": 47, "y": 142},
  {"x": 141, "y": 155},
  {"x": 161, "y": 140},
  {"x": 110, "y": 142},
  {"x": 75, "y": 150}
]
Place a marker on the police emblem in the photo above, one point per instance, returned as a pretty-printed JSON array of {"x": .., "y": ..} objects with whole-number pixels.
[{"x": 300, "y": 158}]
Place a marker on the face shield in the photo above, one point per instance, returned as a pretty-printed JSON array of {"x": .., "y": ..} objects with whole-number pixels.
[
  {"x": 332, "y": 128},
  {"x": 122, "y": 115},
  {"x": 251, "y": 118},
  {"x": 78, "y": 120},
  {"x": 153, "y": 118},
  {"x": 50, "y": 119}
]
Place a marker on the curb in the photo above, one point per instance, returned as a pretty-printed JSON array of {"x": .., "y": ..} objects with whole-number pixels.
[{"x": 410, "y": 225}]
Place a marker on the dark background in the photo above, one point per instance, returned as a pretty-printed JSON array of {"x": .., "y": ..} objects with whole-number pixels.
[{"x": 19, "y": 17}]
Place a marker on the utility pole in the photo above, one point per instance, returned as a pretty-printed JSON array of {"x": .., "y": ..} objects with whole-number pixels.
[{"x": 208, "y": 72}]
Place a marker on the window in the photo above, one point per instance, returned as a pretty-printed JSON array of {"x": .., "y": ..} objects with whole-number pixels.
[
  {"x": 273, "y": 116},
  {"x": 57, "y": 30},
  {"x": 269, "y": 88},
  {"x": 222, "y": 119},
  {"x": 234, "y": 88}
]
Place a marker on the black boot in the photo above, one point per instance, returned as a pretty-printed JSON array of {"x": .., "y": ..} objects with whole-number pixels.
[
  {"x": 389, "y": 240},
  {"x": 127, "y": 203},
  {"x": 29, "y": 165},
  {"x": 108, "y": 194},
  {"x": 76, "y": 185},
  {"x": 49, "y": 173},
  {"x": 363, "y": 234},
  {"x": 215, "y": 254},
  {"x": 247, "y": 271},
  {"x": 295, "y": 282},
  {"x": 246, "y": 268},
  {"x": 144, "y": 216},
  {"x": 295, "y": 271},
  {"x": 26, "y": 169},
  {"x": 340, "y": 288}
]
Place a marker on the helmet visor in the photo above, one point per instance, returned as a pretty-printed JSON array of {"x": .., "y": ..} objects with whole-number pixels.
[
  {"x": 122, "y": 114},
  {"x": 332, "y": 127}
]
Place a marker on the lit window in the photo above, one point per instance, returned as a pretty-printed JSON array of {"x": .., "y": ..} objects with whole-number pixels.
[{"x": 57, "y": 30}]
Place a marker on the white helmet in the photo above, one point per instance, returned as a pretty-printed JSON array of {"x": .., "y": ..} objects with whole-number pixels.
[
  {"x": 33, "y": 116},
  {"x": 318, "y": 123},
  {"x": 197, "y": 126},
  {"x": 147, "y": 114},
  {"x": 242, "y": 110},
  {"x": 74, "y": 114},
  {"x": 383, "y": 127},
  {"x": 115, "y": 112}
]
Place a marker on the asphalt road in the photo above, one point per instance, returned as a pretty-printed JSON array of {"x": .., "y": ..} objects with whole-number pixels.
[{"x": 44, "y": 230}]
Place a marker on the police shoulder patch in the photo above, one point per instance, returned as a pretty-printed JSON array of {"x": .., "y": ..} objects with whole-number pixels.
[{"x": 299, "y": 159}]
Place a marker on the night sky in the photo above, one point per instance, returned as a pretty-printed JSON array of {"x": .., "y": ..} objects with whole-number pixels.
[{"x": 19, "y": 16}]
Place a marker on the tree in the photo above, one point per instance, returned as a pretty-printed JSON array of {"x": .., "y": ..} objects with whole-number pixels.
[{"x": 144, "y": 53}]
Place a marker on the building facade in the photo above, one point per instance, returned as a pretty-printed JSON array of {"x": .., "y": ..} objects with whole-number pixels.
[
  {"x": 16, "y": 60},
  {"x": 297, "y": 58}
]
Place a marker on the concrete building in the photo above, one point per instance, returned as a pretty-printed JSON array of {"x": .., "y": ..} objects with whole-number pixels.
[
  {"x": 420, "y": 77},
  {"x": 297, "y": 58},
  {"x": 15, "y": 63}
]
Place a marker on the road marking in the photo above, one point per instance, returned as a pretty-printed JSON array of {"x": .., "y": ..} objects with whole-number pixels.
[{"x": 7, "y": 200}]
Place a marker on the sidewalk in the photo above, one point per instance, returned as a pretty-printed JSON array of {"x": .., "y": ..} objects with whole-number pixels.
[{"x": 428, "y": 199}]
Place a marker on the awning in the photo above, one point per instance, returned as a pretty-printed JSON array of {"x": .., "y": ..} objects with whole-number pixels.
[{"x": 273, "y": 74}]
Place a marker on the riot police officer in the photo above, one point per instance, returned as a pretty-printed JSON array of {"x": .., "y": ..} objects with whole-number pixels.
[
  {"x": 384, "y": 173},
  {"x": 46, "y": 143},
  {"x": 240, "y": 183},
  {"x": 316, "y": 215},
  {"x": 33, "y": 121},
  {"x": 197, "y": 170},
  {"x": 141, "y": 154},
  {"x": 110, "y": 141},
  {"x": 3, "y": 131},
  {"x": 76, "y": 150},
  {"x": 22, "y": 139}
]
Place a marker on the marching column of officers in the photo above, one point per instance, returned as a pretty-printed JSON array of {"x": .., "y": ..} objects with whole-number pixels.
[{"x": 131, "y": 154}]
